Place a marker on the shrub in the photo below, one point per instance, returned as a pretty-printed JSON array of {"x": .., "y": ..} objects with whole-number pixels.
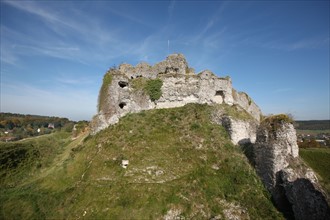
[
  {"x": 279, "y": 119},
  {"x": 272, "y": 123},
  {"x": 153, "y": 89},
  {"x": 139, "y": 83}
]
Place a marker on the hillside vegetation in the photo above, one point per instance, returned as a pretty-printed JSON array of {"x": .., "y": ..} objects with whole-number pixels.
[
  {"x": 319, "y": 160},
  {"x": 18, "y": 126},
  {"x": 180, "y": 166},
  {"x": 21, "y": 160}
]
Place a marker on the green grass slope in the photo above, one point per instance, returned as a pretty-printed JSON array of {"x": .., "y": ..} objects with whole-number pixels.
[
  {"x": 319, "y": 160},
  {"x": 24, "y": 159},
  {"x": 180, "y": 165}
]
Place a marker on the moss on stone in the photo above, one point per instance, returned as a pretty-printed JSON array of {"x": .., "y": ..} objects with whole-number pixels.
[
  {"x": 278, "y": 119},
  {"x": 274, "y": 122},
  {"x": 107, "y": 79},
  {"x": 234, "y": 111},
  {"x": 151, "y": 86},
  {"x": 247, "y": 97},
  {"x": 139, "y": 83}
]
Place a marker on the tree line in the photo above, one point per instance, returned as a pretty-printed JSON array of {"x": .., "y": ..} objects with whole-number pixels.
[
  {"x": 313, "y": 125},
  {"x": 18, "y": 126}
]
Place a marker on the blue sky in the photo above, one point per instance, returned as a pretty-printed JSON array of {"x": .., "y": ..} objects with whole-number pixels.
[{"x": 54, "y": 53}]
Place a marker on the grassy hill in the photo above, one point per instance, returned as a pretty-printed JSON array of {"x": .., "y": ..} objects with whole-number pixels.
[
  {"x": 319, "y": 160},
  {"x": 180, "y": 165}
]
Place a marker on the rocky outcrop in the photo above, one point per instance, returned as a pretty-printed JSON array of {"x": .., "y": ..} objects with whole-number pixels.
[
  {"x": 305, "y": 195},
  {"x": 125, "y": 93},
  {"x": 276, "y": 145},
  {"x": 240, "y": 131},
  {"x": 244, "y": 100},
  {"x": 293, "y": 186},
  {"x": 240, "y": 125}
]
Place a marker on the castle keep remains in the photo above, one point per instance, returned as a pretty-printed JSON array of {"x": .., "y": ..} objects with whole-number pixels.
[{"x": 124, "y": 90}]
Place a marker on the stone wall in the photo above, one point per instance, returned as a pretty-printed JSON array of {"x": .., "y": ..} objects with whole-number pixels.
[
  {"x": 174, "y": 64},
  {"x": 240, "y": 131},
  {"x": 239, "y": 124},
  {"x": 180, "y": 87},
  {"x": 244, "y": 100}
]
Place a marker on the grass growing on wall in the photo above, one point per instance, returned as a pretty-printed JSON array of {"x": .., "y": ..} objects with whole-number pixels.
[
  {"x": 151, "y": 86},
  {"x": 234, "y": 111},
  {"x": 274, "y": 122},
  {"x": 107, "y": 79}
]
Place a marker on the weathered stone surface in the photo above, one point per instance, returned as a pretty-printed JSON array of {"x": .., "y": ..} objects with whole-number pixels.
[
  {"x": 241, "y": 128},
  {"x": 293, "y": 185},
  {"x": 274, "y": 150},
  {"x": 233, "y": 211},
  {"x": 180, "y": 87},
  {"x": 308, "y": 203},
  {"x": 240, "y": 131},
  {"x": 242, "y": 99},
  {"x": 172, "y": 214}
]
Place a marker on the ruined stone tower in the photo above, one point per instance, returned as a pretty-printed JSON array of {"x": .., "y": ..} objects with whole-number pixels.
[{"x": 124, "y": 90}]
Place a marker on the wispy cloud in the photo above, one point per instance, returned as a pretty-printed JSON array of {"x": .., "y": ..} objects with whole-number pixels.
[
  {"x": 32, "y": 8},
  {"x": 264, "y": 40},
  {"x": 68, "y": 53},
  {"x": 211, "y": 22},
  {"x": 64, "y": 79},
  {"x": 102, "y": 43},
  {"x": 309, "y": 44},
  {"x": 7, "y": 56},
  {"x": 283, "y": 90},
  {"x": 129, "y": 17},
  {"x": 170, "y": 8},
  {"x": 57, "y": 21}
]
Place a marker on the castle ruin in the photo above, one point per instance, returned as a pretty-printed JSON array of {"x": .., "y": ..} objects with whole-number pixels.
[{"x": 123, "y": 91}]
